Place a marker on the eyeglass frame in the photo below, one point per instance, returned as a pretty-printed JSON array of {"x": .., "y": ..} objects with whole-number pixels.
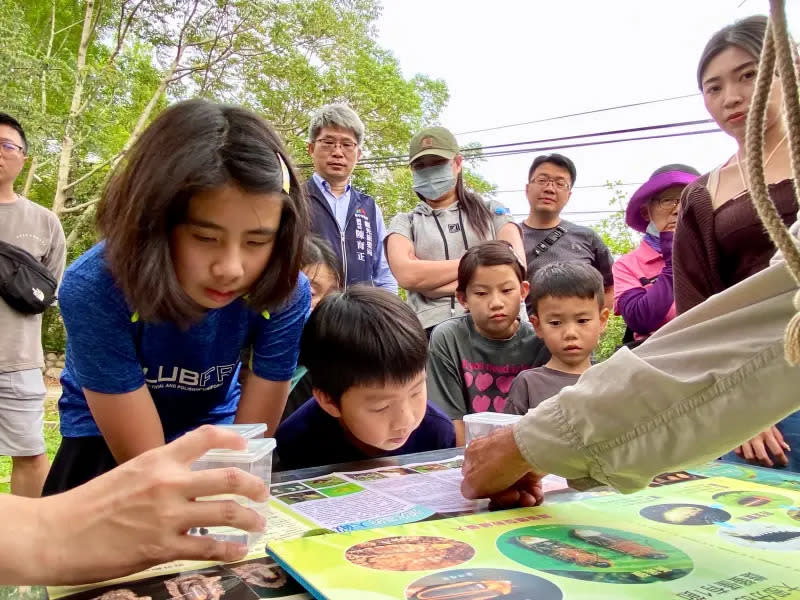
[
  {"x": 666, "y": 203},
  {"x": 16, "y": 148},
  {"x": 330, "y": 144},
  {"x": 559, "y": 184}
]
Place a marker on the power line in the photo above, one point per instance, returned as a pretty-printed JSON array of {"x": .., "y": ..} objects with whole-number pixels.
[
  {"x": 380, "y": 161},
  {"x": 557, "y": 147},
  {"x": 578, "y": 114},
  {"x": 578, "y": 187}
]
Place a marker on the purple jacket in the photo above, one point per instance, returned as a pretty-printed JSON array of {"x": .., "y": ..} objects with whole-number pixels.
[{"x": 643, "y": 292}]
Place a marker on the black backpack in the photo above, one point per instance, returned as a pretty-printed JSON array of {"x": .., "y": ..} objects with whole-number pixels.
[{"x": 25, "y": 284}]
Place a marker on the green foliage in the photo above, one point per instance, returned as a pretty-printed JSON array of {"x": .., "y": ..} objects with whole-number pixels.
[
  {"x": 611, "y": 338},
  {"x": 281, "y": 58},
  {"x": 54, "y": 336},
  {"x": 620, "y": 239}
]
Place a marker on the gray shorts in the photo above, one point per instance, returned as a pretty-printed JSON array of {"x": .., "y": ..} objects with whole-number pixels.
[{"x": 22, "y": 413}]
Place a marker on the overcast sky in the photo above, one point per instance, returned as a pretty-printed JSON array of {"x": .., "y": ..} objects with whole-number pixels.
[{"x": 511, "y": 61}]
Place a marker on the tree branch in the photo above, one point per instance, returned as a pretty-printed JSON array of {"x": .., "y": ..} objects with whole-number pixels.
[
  {"x": 122, "y": 28},
  {"x": 82, "y": 220},
  {"x": 86, "y": 176},
  {"x": 79, "y": 207}
]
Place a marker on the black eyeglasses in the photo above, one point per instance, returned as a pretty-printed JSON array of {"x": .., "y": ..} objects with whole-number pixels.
[
  {"x": 7, "y": 147},
  {"x": 544, "y": 181}
]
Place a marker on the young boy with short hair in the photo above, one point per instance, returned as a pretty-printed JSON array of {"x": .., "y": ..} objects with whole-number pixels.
[
  {"x": 475, "y": 357},
  {"x": 569, "y": 315},
  {"x": 366, "y": 352}
]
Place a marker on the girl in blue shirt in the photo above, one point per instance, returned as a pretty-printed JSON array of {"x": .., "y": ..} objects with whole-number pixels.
[{"x": 199, "y": 268}]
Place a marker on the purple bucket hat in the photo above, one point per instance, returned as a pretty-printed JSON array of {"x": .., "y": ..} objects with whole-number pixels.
[{"x": 660, "y": 180}]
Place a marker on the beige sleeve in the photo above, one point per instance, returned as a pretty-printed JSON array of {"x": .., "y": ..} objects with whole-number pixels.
[
  {"x": 706, "y": 381},
  {"x": 55, "y": 258}
]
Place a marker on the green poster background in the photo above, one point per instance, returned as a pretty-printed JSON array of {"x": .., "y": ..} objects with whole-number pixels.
[{"x": 755, "y": 551}]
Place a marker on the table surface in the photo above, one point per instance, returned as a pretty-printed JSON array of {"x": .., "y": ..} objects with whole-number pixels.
[
  {"x": 363, "y": 465},
  {"x": 39, "y": 592}
]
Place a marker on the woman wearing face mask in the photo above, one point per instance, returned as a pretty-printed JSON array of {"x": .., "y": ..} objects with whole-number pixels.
[
  {"x": 720, "y": 240},
  {"x": 643, "y": 293},
  {"x": 424, "y": 246}
]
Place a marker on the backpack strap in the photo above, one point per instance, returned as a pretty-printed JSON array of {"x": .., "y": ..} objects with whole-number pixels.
[{"x": 549, "y": 241}]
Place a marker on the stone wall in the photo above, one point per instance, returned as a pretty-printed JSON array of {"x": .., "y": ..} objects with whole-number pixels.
[{"x": 53, "y": 364}]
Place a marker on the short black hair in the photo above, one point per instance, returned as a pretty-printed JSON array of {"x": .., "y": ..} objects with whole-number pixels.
[
  {"x": 362, "y": 336},
  {"x": 6, "y": 119},
  {"x": 556, "y": 159},
  {"x": 567, "y": 280}
]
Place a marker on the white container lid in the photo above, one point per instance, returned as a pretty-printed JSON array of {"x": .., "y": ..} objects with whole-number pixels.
[
  {"x": 247, "y": 431},
  {"x": 492, "y": 418},
  {"x": 256, "y": 450}
]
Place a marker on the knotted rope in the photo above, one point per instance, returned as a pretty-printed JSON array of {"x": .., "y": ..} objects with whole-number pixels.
[{"x": 777, "y": 45}]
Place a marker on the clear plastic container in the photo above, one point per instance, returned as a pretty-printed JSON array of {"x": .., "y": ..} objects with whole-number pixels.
[
  {"x": 248, "y": 432},
  {"x": 257, "y": 459},
  {"x": 481, "y": 424}
]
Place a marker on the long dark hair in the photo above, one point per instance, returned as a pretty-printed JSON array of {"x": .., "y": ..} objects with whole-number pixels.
[
  {"x": 747, "y": 34},
  {"x": 474, "y": 207},
  {"x": 192, "y": 146}
]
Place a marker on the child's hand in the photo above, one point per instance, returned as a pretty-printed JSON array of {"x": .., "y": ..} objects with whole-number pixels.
[{"x": 766, "y": 443}]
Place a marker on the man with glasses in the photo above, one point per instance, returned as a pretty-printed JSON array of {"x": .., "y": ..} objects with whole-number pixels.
[
  {"x": 547, "y": 237},
  {"x": 349, "y": 219},
  {"x": 38, "y": 231}
]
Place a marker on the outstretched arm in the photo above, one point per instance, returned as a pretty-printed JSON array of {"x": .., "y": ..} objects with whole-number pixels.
[
  {"x": 688, "y": 394},
  {"x": 130, "y": 518}
]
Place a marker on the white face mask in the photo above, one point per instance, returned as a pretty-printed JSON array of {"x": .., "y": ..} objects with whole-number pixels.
[
  {"x": 652, "y": 229},
  {"x": 434, "y": 182}
]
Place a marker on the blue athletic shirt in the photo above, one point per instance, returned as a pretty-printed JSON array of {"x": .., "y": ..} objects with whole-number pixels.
[{"x": 189, "y": 372}]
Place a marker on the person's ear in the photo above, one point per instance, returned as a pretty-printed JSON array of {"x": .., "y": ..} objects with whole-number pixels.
[
  {"x": 462, "y": 299},
  {"x": 358, "y": 153},
  {"x": 457, "y": 160},
  {"x": 604, "y": 315},
  {"x": 311, "y": 148},
  {"x": 645, "y": 212},
  {"x": 326, "y": 403},
  {"x": 534, "y": 319},
  {"x": 524, "y": 289}
]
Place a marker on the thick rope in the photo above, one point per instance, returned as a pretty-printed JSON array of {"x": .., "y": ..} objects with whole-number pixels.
[{"x": 776, "y": 45}]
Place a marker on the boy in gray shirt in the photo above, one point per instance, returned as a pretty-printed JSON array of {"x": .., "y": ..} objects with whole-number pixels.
[
  {"x": 474, "y": 358},
  {"x": 569, "y": 315}
]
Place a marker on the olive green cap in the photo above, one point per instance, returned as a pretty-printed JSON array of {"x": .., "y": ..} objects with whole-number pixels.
[{"x": 432, "y": 140}]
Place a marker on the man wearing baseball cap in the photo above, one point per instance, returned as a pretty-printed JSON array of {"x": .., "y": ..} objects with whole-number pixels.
[{"x": 643, "y": 292}]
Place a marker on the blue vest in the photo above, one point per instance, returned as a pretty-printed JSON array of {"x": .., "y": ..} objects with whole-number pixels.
[{"x": 358, "y": 245}]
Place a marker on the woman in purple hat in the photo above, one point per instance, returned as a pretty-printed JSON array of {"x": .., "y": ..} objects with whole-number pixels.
[
  {"x": 719, "y": 240},
  {"x": 643, "y": 292}
]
